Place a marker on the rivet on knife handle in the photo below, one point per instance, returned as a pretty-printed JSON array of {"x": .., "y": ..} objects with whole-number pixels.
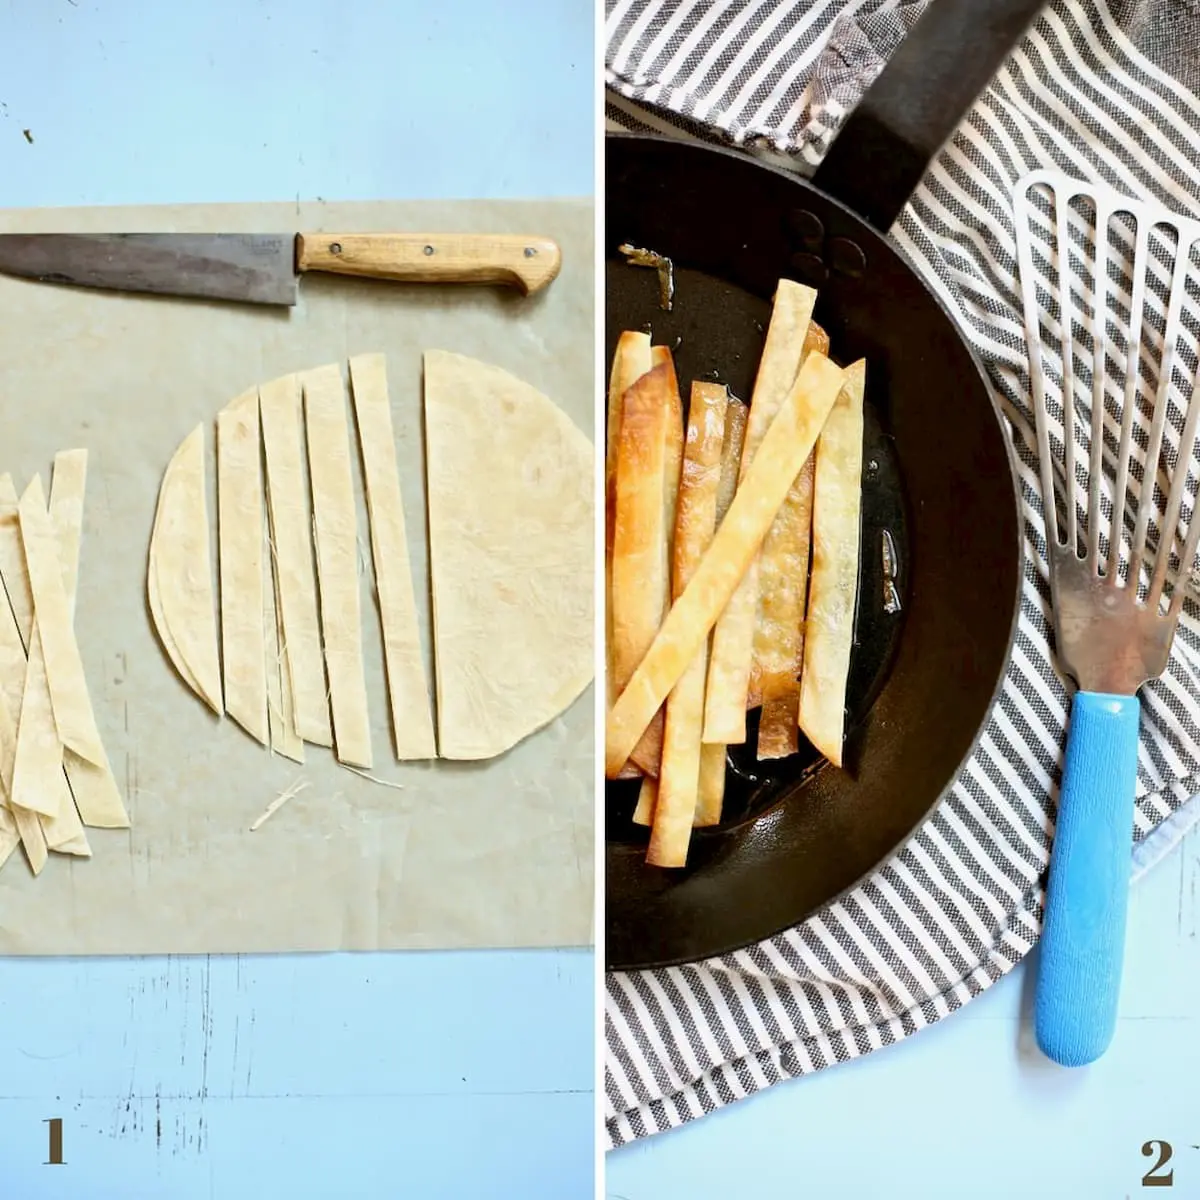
[{"x": 527, "y": 263}]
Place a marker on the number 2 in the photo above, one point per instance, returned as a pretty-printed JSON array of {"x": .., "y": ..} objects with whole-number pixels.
[{"x": 1151, "y": 1177}]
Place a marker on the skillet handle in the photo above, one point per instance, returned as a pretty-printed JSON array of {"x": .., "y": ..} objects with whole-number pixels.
[
  {"x": 1083, "y": 933},
  {"x": 928, "y": 85}
]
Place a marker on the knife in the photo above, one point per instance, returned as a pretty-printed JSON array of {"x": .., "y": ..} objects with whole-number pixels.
[{"x": 265, "y": 268}]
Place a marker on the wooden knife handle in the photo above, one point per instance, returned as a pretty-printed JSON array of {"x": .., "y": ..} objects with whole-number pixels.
[{"x": 526, "y": 263}]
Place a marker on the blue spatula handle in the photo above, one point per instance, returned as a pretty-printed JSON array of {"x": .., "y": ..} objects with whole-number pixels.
[{"x": 1083, "y": 936}]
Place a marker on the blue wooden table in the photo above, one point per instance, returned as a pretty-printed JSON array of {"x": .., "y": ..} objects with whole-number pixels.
[
  {"x": 968, "y": 1107},
  {"x": 423, "y": 1075}
]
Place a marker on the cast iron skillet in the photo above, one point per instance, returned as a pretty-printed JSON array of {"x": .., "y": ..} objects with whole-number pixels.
[{"x": 938, "y": 479}]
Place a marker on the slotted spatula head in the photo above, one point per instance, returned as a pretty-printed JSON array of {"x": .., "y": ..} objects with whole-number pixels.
[{"x": 1112, "y": 358}]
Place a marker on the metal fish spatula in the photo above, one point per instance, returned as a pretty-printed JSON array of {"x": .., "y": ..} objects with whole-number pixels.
[{"x": 1111, "y": 292}]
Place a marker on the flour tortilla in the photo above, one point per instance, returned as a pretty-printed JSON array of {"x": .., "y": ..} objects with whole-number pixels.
[
  {"x": 511, "y": 533},
  {"x": 180, "y": 585}
]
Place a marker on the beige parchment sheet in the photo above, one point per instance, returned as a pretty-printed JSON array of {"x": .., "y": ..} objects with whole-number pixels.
[{"x": 487, "y": 854}]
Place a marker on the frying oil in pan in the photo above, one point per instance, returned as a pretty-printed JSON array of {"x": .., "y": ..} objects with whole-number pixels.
[{"x": 716, "y": 331}]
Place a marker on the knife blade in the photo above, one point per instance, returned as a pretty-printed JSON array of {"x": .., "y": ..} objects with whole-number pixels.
[{"x": 265, "y": 268}]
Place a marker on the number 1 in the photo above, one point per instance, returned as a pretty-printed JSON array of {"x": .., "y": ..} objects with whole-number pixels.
[{"x": 56, "y": 1158}]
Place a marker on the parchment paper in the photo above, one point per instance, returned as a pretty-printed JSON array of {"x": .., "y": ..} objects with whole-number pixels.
[{"x": 467, "y": 855}]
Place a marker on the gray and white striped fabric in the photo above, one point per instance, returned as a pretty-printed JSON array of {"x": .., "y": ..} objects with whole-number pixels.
[{"x": 1101, "y": 92}]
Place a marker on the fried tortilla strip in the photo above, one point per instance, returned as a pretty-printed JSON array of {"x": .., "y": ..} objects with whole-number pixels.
[
  {"x": 408, "y": 687},
  {"x": 647, "y": 800},
  {"x": 733, "y": 638},
  {"x": 712, "y": 754},
  {"x": 788, "y": 442},
  {"x": 240, "y": 559},
  {"x": 779, "y": 638},
  {"x": 833, "y": 591},
  {"x": 710, "y": 796},
  {"x": 640, "y": 574},
  {"x": 647, "y": 754},
  {"x": 630, "y": 362},
  {"x": 335, "y": 521},
  {"x": 695, "y": 523}
]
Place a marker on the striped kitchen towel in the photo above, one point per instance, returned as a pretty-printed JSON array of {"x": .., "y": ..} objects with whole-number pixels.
[{"x": 1102, "y": 91}]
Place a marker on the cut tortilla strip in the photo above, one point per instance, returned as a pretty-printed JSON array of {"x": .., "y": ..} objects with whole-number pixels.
[
  {"x": 646, "y": 463},
  {"x": 240, "y": 557},
  {"x": 336, "y": 527},
  {"x": 291, "y": 538},
  {"x": 833, "y": 591},
  {"x": 38, "y": 760},
  {"x": 13, "y": 667},
  {"x": 40, "y": 787},
  {"x": 511, "y": 530},
  {"x": 679, "y": 778},
  {"x": 737, "y": 415},
  {"x": 733, "y": 638},
  {"x": 788, "y": 443},
  {"x": 777, "y": 640},
  {"x": 408, "y": 686},
  {"x": 73, "y": 713},
  {"x": 647, "y": 754},
  {"x": 68, "y": 487},
  {"x": 643, "y": 814},
  {"x": 779, "y": 636},
  {"x": 12, "y": 564},
  {"x": 180, "y": 580},
  {"x": 285, "y": 739},
  {"x": 711, "y": 795},
  {"x": 97, "y": 799},
  {"x": 10, "y": 838}
]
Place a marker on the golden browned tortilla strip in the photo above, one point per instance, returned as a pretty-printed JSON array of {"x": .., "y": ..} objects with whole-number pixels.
[
  {"x": 512, "y": 551},
  {"x": 696, "y": 520},
  {"x": 647, "y": 754},
  {"x": 643, "y": 814},
  {"x": 837, "y": 500},
  {"x": 335, "y": 525},
  {"x": 711, "y": 794},
  {"x": 630, "y": 362},
  {"x": 240, "y": 557},
  {"x": 639, "y": 567},
  {"x": 787, "y": 444},
  {"x": 292, "y": 551},
  {"x": 733, "y": 638},
  {"x": 779, "y": 638},
  {"x": 408, "y": 687}
]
